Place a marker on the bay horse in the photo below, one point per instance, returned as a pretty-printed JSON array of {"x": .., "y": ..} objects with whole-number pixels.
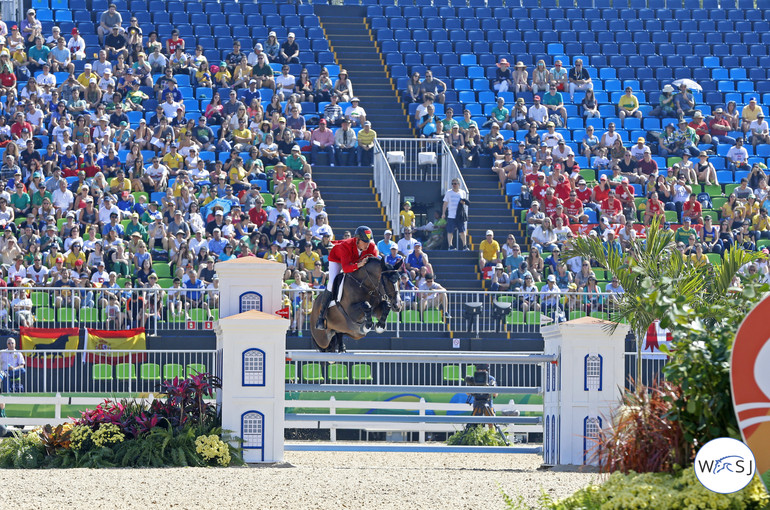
[{"x": 368, "y": 293}]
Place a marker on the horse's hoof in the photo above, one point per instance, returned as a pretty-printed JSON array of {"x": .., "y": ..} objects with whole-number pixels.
[{"x": 379, "y": 329}]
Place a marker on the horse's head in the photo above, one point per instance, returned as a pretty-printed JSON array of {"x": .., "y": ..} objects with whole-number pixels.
[{"x": 389, "y": 276}]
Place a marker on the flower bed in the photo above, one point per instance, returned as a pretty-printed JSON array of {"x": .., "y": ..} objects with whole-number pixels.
[{"x": 182, "y": 429}]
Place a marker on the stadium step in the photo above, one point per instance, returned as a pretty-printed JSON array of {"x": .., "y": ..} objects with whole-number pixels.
[
  {"x": 350, "y": 199},
  {"x": 355, "y": 50}
]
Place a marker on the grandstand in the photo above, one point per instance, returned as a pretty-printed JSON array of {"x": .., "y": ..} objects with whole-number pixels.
[{"x": 721, "y": 48}]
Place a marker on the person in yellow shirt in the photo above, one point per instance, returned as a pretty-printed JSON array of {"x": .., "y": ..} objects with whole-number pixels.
[
  {"x": 74, "y": 255},
  {"x": 223, "y": 76},
  {"x": 308, "y": 258},
  {"x": 242, "y": 136},
  {"x": 85, "y": 77},
  {"x": 120, "y": 183},
  {"x": 407, "y": 217},
  {"x": 173, "y": 160},
  {"x": 760, "y": 225},
  {"x": 237, "y": 174},
  {"x": 698, "y": 258},
  {"x": 628, "y": 106},
  {"x": 489, "y": 251},
  {"x": 749, "y": 114}
]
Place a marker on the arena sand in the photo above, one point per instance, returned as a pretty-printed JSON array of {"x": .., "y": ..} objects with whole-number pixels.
[{"x": 307, "y": 480}]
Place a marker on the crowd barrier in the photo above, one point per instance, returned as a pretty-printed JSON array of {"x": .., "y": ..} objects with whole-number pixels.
[{"x": 475, "y": 312}]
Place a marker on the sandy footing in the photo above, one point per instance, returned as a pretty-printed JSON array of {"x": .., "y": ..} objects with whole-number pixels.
[{"x": 307, "y": 480}]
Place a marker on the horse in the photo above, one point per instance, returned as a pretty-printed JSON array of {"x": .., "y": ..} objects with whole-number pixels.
[{"x": 367, "y": 293}]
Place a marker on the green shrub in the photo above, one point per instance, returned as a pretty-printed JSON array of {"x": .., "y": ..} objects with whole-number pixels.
[
  {"x": 479, "y": 435},
  {"x": 655, "y": 491}
]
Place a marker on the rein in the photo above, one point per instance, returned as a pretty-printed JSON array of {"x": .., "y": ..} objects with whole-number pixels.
[{"x": 373, "y": 287}]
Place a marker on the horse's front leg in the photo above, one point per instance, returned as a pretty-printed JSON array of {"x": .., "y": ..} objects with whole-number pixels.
[{"x": 381, "y": 312}]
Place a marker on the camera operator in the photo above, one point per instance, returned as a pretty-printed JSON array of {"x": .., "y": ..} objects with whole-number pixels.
[{"x": 482, "y": 402}]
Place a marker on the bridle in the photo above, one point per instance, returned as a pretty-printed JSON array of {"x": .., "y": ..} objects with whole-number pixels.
[{"x": 374, "y": 287}]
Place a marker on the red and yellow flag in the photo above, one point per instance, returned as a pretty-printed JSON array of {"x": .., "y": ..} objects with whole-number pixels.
[
  {"x": 112, "y": 346},
  {"x": 46, "y": 339}
]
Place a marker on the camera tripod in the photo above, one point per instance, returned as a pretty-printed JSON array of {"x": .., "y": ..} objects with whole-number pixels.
[{"x": 484, "y": 408}]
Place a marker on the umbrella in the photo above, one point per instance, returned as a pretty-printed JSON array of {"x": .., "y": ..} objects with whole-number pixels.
[
  {"x": 206, "y": 210},
  {"x": 692, "y": 85}
]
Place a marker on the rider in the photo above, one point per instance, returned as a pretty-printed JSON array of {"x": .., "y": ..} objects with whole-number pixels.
[{"x": 347, "y": 256}]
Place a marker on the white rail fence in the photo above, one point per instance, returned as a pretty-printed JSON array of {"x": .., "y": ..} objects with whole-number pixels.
[
  {"x": 475, "y": 312},
  {"x": 416, "y": 159},
  {"x": 386, "y": 185},
  {"x": 109, "y": 308}
]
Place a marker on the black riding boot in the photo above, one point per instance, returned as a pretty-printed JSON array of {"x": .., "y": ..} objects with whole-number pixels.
[{"x": 325, "y": 297}]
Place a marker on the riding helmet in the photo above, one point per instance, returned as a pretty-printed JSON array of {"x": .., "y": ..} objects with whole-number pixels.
[{"x": 364, "y": 233}]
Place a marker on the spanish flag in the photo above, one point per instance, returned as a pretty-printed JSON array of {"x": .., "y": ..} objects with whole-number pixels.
[
  {"x": 45, "y": 339},
  {"x": 112, "y": 346}
]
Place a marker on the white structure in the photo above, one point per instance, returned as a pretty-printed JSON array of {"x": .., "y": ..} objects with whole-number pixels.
[
  {"x": 249, "y": 283},
  {"x": 252, "y": 344},
  {"x": 582, "y": 389}
]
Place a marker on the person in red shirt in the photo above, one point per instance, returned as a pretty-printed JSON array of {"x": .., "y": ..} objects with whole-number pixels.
[
  {"x": 601, "y": 190},
  {"x": 257, "y": 215},
  {"x": 719, "y": 127},
  {"x": 539, "y": 189},
  {"x": 346, "y": 256},
  {"x": 654, "y": 208},
  {"x": 174, "y": 42},
  {"x": 19, "y": 125},
  {"x": 559, "y": 213},
  {"x": 612, "y": 209},
  {"x": 573, "y": 207},
  {"x": 562, "y": 189},
  {"x": 692, "y": 209},
  {"x": 625, "y": 194},
  {"x": 550, "y": 202},
  {"x": 700, "y": 127}
]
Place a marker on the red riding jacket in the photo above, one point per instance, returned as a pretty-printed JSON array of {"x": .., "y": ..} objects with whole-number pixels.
[{"x": 347, "y": 255}]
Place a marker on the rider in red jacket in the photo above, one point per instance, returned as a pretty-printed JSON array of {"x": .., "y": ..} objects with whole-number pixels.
[{"x": 346, "y": 256}]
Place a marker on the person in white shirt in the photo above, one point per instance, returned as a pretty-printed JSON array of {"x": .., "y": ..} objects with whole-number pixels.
[
  {"x": 100, "y": 276},
  {"x": 46, "y": 78},
  {"x": 453, "y": 199},
  {"x": 355, "y": 114},
  {"x": 561, "y": 151},
  {"x": 198, "y": 242},
  {"x": 77, "y": 45},
  {"x": 254, "y": 55},
  {"x": 406, "y": 243},
  {"x": 62, "y": 198},
  {"x": 106, "y": 209},
  {"x": 170, "y": 106},
  {"x": 538, "y": 113},
  {"x": 12, "y": 365},
  {"x": 760, "y": 131},
  {"x": 738, "y": 155},
  {"x": 106, "y": 80},
  {"x": 285, "y": 82},
  {"x": 157, "y": 173},
  {"x": 17, "y": 269},
  {"x": 37, "y": 272}
]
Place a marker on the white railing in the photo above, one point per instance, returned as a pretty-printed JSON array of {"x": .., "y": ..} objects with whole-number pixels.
[
  {"x": 450, "y": 171},
  {"x": 122, "y": 373},
  {"x": 416, "y": 159},
  {"x": 386, "y": 185},
  {"x": 112, "y": 309},
  {"x": 474, "y": 312}
]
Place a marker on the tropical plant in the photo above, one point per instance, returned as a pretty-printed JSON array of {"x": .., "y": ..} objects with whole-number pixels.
[
  {"x": 641, "y": 437},
  {"x": 652, "y": 264},
  {"x": 54, "y": 440}
]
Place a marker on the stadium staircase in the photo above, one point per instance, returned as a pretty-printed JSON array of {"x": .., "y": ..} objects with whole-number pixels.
[
  {"x": 354, "y": 49},
  {"x": 350, "y": 199},
  {"x": 489, "y": 209}
]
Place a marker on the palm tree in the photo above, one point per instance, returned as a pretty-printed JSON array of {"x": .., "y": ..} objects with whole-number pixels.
[{"x": 650, "y": 264}]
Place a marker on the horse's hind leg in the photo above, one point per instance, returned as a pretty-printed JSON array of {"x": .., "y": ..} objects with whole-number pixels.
[{"x": 337, "y": 343}]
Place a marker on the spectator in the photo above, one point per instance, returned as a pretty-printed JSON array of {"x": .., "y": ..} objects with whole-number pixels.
[
  {"x": 322, "y": 140},
  {"x": 343, "y": 88},
  {"x": 628, "y": 106},
  {"x": 501, "y": 281},
  {"x": 433, "y": 86},
  {"x": 366, "y": 139},
  {"x": 555, "y": 104},
  {"x": 684, "y": 102},
  {"x": 749, "y": 114},
  {"x": 666, "y": 106},
  {"x": 489, "y": 251},
  {"x": 579, "y": 79},
  {"x": 538, "y": 114},
  {"x": 109, "y": 18},
  {"x": 433, "y": 296},
  {"x": 738, "y": 156},
  {"x": 455, "y": 212},
  {"x": 345, "y": 144},
  {"x": 355, "y": 114},
  {"x": 289, "y": 53},
  {"x": 760, "y": 131},
  {"x": 559, "y": 76},
  {"x": 12, "y": 369},
  {"x": 272, "y": 48}
]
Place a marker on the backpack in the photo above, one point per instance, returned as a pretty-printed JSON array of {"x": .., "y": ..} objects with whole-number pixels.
[
  {"x": 705, "y": 200},
  {"x": 524, "y": 200}
]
